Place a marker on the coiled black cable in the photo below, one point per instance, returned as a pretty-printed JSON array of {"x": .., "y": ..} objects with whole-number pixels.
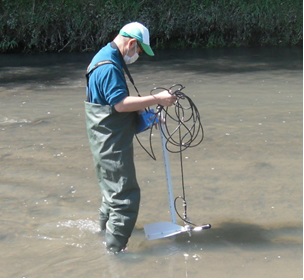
[
  {"x": 182, "y": 125},
  {"x": 182, "y": 129}
]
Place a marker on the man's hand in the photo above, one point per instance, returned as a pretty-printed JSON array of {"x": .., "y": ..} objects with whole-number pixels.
[{"x": 165, "y": 98}]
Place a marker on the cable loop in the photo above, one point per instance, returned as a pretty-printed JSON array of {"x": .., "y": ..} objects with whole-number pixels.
[
  {"x": 182, "y": 124},
  {"x": 182, "y": 129}
]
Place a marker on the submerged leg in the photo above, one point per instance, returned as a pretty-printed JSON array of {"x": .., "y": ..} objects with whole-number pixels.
[
  {"x": 122, "y": 219},
  {"x": 103, "y": 214},
  {"x": 120, "y": 204}
]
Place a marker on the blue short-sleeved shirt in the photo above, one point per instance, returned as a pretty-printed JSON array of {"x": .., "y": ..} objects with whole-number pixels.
[{"x": 107, "y": 83}]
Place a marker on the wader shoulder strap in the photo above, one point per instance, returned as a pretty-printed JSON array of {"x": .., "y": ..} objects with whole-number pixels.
[
  {"x": 100, "y": 63},
  {"x": 97, "y": 65},
  {"x": 125, "y": 67}
]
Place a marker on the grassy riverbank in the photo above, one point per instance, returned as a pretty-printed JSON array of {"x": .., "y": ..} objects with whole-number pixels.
[{"x": 76, "y": 25}]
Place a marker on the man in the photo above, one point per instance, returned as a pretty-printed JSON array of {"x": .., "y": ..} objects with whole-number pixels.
[{"x": 111, "y": 115}]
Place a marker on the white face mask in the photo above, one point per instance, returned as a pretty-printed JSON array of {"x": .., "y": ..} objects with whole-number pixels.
[{"x": 131, "y": 59}]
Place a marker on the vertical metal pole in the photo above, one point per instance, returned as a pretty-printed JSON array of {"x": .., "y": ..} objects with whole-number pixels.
[{"x": 167, "y": 170}]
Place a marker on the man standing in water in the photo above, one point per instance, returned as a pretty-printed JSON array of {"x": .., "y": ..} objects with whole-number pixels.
[{"x": 111, "y": 115}]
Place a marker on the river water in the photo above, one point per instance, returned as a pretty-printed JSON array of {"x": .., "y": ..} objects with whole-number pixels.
[{"x": 245, "y": 178}]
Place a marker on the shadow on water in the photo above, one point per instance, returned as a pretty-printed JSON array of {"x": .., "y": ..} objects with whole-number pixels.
[
  {"x": 17, "y": 70},
  {"x": 46, "y": 69},
  {"x": 242, "y": 235},
  {"x": 223, "y": 61},
  {"x": 236, "y": 235}
]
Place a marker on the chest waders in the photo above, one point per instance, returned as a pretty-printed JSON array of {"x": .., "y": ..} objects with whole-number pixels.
[{"x": 111, "y": 141}]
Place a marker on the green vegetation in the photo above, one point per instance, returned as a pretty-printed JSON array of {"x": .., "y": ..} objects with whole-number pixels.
[{"x": 78, "y": 25}]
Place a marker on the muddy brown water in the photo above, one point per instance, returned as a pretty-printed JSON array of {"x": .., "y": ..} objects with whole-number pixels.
[{"x": 245, "y": 178}]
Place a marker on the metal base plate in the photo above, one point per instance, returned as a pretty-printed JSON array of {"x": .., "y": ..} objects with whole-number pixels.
[{"x": 162, "y": 230}]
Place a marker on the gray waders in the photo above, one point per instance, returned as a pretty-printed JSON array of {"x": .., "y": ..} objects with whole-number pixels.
[{"x": 111, "y": 140}]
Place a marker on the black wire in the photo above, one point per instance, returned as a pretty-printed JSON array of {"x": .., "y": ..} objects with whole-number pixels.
[
  {"x": 151, "y": 152},
  {"x": 187, "y": 132},
  {"x": 186, "y": 115},
  {"x": 184, "y": 218}
]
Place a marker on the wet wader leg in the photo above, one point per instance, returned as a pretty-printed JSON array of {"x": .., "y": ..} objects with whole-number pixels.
[
  {"x": 104, "y": 209},
  {"x": 103, "y": 214},
  {"x": 122, "y": 220},
  {"x": 111, "y": 141},
  {"x": 122, "y": 196}
]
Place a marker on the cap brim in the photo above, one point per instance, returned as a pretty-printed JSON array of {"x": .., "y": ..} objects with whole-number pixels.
[{"x": 147, "y": 49}]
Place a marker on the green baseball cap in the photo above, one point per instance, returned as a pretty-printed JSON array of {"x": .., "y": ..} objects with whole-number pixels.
[{"x": 140, "y": 33}]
